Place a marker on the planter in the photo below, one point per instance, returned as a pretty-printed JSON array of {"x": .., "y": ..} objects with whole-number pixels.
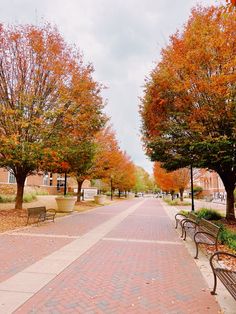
[
  {"x": 100, "y": 199},
  {"x": 130, "y": 195},
  {"x": 65, "y": 204}
]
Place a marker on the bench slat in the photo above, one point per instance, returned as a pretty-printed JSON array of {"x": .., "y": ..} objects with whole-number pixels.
[
  {"x": 208, "y": 226},
  {"x": 226, "y": 274}
]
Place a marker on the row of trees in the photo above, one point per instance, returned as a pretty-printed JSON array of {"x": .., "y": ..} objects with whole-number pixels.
[
  {"x": 171, "y": 182},
  {"x": 111, "y": 164},
  {"x": 189, "y": 105},
  {"x": 51, "y": 112}
]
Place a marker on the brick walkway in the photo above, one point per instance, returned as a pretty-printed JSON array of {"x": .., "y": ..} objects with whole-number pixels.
[{"x": 123, "y": 258}]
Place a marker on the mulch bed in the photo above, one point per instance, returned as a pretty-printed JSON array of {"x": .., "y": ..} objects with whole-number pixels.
[
  {"x": 12, "y": 219},
  {"x": 15, "y": 218}
]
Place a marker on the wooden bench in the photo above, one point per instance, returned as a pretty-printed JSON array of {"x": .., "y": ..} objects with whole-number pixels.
[
  {"x": 227, "y": 275},
  {"x": 202, "y": 232},
  {"x": 207, "y": 233},
  {"x": 40, "y": 213},
  {"x": 189, "y": 224},
  {"x": 178, "y": 218}
]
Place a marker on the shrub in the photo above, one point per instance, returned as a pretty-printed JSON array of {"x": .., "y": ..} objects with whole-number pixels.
[
  {"x": 29, "y": 197},
  {"x": 197, "y": 190},
  {"x": 7, "y": 198},
  {"x": 208, "y": 214},
  {"x": 42, "y": 192},
  {"x": 183, "y": 212},
  {"x": 227, "y": 237}
]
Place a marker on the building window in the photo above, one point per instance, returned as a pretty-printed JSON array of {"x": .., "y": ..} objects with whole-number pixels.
[
  {"x": 11, "y": 177},
  {"x": 46, "y": 179},
  {"x": 60, "y": 182}
]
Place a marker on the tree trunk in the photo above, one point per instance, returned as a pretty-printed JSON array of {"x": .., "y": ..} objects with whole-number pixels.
[
  {"x": 79, "y": 190},
  {"x": 181, "y": 192},
  {"x": 230, "y": 213},
  {"x": 229, "y": 184},
  {"x": 119, "y": 193},
  {"x": 20, "y": 191}
]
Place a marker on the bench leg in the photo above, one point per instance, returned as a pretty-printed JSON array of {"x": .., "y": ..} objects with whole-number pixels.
[
  {"x": 176, "y": 224},
  {"x": 213, "y": 292},
  {"x": 184, "y": 234},
  {"x": 196, "y": 256}
]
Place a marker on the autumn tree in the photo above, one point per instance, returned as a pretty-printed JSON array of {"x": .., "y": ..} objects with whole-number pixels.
[
  {"x": 188, "y": 109},
  {"x": 181, "y": 178},
  {"x": 108, "y": 153},
  {"x": 230, "y": 5},
  {"x": 44, "y": 88},
  {"x": 123, "y": 173},
  {"x": 111, "y": 164},
  {"x": 144, "y": 182},
  {"x": 165, "y": 180}
]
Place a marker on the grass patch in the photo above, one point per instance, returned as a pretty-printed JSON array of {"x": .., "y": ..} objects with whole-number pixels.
[{"x": 176, "y": 202}]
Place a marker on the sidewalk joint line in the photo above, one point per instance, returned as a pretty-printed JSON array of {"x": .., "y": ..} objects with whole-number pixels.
[
  {"x": 142, "y": 241},
  {"x": 45, "y": 235}
]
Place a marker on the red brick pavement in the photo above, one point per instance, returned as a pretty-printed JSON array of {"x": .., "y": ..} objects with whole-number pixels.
[
  {"x": 118, "y": 276},
  {"x": 78, "y": 224},
  {"x": 19, "y": 252},
  {"x": 148, "y": 222}
]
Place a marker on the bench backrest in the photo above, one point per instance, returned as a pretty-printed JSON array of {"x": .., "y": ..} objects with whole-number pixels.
[
  {"x": 193, "y": 217},
  {"x": 209, "y": 227},
  {"x": 36, "y": 210}
]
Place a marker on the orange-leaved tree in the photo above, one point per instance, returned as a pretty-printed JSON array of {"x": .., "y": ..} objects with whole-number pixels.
[
  {"x": 165, "y": 180},
  {"x": 124, "y": 174},
  {"x": 44, "y": 88},
  {"x": 181, "y": 178},
  {"x": 188, "y": 109},
  {"x": 111, "y": 164}
]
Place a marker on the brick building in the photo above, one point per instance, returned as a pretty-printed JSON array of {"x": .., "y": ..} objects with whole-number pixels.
[
  {"x": 210, "y": 182},
  {"x": 51, "y": 183}
]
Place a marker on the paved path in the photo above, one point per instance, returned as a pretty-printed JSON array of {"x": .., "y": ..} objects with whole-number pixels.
[{"x": 122, "y": 258}]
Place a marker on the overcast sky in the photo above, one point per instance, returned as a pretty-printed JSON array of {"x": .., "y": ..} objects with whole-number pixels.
[{"x": 122, "y": 38}]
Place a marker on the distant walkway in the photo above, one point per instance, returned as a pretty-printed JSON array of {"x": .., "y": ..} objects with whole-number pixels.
[{"x": 122, "y": 258}]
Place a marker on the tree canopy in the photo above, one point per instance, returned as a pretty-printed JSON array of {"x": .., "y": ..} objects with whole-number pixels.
[
  {"x": 48, "y": 99},
  {"x": 188, "y": 109}
]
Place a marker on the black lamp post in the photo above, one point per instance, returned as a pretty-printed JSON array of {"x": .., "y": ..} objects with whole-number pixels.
[
  {"x": 191, "y": 177},
  {"x": 111, "y": 189},
  {"x": 65, "y": 183}
]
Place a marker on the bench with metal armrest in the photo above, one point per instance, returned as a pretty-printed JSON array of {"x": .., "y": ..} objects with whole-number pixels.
[
  {"x": 226, "y": 274},
  {"x": 40, "y": 214},
  {"x": 201, "y": 231}
]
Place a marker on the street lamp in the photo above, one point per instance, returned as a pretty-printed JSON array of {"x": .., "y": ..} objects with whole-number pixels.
[
  {"x": 65, "y": 183},
  {"x": 191, "y": 176},
  {"x": 111, "y": 188}
]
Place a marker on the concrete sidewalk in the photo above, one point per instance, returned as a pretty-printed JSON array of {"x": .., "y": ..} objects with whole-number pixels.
[{"x": 122, "y": 258}]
